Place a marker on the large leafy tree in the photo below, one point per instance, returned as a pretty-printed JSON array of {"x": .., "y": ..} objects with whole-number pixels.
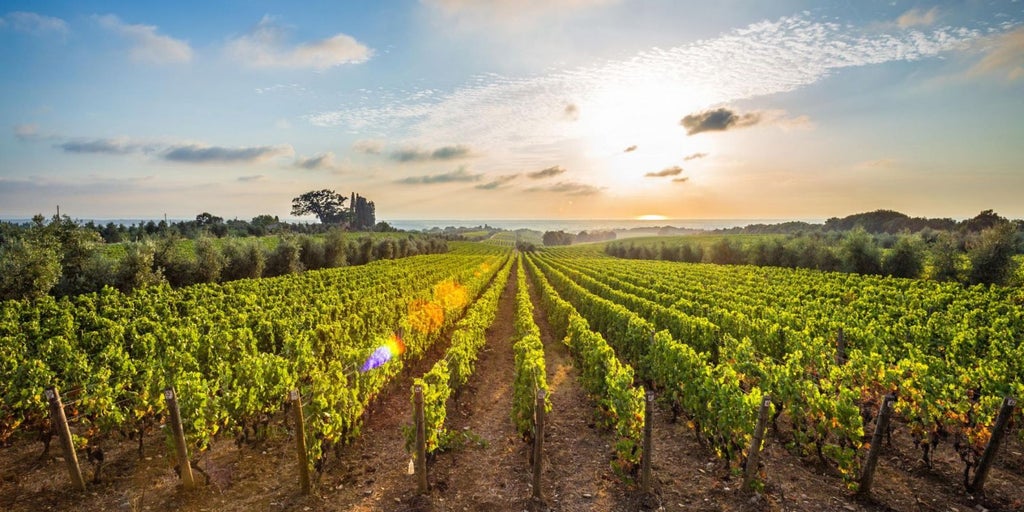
[
  {"x": 327, "y": 205},
  {"x": 991, "y": 255}
]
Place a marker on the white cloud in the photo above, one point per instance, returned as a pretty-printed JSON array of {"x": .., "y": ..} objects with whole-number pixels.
[
  {"x": 915, "y": 17},
  {"x": 26, "y": 131},
  {"x": 1004, "y": 55},
  {"x": 369, "y": 146},
  {"x": 32, "y": 23},
  {"x": 148, "y": 45},
  {"x": 266, "y": 47},
  {"x": 764, "y": 58}
]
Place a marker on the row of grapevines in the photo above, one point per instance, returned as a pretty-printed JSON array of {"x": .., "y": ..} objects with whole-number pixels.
[
  {"x": 531, "y": 373},
  {"x": 722, "y": 406},
  {"x": 453, "y": 371},
  {"x": 602, "y": 375}
]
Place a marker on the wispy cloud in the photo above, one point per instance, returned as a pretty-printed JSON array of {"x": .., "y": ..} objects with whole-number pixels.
[
  {"x": 368, "y": 146},
  {"x": 439, "y": 154},
  {"x": 33, "y": 23},
  {"x": 717, "y": 120},
  {"x": 694, "y": 156},
  {"x": 570, "y": 188},
  {"x": 149, "y": 46},
  {"x": 456, "y": 176},
  {"x": 916, "y": 16},
  {"x": 266, "y": 46},
  {"x": 496, "y": 183},
  {"x": 763, "y": 58},
  {"x": 1004, "y": 55},
  {"x": 116, "y": 146},
  {"x": 675, "y": 170},
  {"x": 196, "y": 154},
  {"x": 546, "y": 173},
  {"x": 252, "y": 179},
  {"x": 26, "y": 131},
  {"x": 320, "y": 161},
  {"x": 630, "y": 149},
  {"x": 684, "y": 179}
]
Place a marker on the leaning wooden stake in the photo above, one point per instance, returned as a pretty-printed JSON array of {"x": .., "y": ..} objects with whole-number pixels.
[
  {"x": 754, "y": 452},
  {"x": 178, "y": 432},
  {"x": 421, "y": 440},
  {"x": 538, "y": 443},
  {"x": 881, "y": 425},
  {"x": 60, "y": 422},
  {"x": 645, "y": 462},
  {"x": 989, "y": 455},
  {"x": 301, "y": 454}
]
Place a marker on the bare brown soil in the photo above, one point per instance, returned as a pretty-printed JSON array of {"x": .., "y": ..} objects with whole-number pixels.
[{"x": 490, "y": 470}]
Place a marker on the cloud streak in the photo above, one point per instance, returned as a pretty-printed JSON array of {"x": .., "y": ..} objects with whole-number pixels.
[
  {"x": 320, "y": 161},
  {"x": 675, "y": 170},
  {"x": 570, "y": 188},
  {"x": 266, "y": 47},
  {"x": 368, "y": 146},
  {"x": 149, "y": 46},
  {"x": 499, "y": 182},
  {"x": 1005, "y": 56},
  {"x": 117, "y": 146},
  {"x": 694, "y": 156},
  {"x": 439, "y": 154},
  {"x": 460, "y": 175},
  {"x": 718, "y": 120},
  {"x": 196, "y": 154},
  {"x": 915, "y": 17},
  {"x": 33, "y": 23},
  {"x": 550, "y": 172}
]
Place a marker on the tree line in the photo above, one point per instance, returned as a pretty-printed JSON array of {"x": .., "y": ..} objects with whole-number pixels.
[
  {"x": 62, "y": 257},
  {"x": 970, "y": 257}
]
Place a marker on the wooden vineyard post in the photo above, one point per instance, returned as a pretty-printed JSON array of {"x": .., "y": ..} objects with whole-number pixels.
[
  {"x": 881, "y": 425},
  {"x": 645, "y": 463},
  {"x": 301, "y": 454},
  {"x": 538, "y": 443},
  {"x": 754, "y": 453},
  {"x": 421, "y": 440},
  {"x": 841, "y": 348},
  {"x": 179, "y": 439},
  {"x": 60, "y": 422},
  {"x": 989, "y": 455}
]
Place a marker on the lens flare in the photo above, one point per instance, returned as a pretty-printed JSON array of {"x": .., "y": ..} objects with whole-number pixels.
[
  {"x": 392, "y": 348},
  {"x": 451, "y": 296},
  {"x": 425, "y": 316}
]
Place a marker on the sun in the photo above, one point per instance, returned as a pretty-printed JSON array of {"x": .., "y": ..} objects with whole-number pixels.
[
  {"x": 650, "y": 216},
  {"x": 631, "y": 127}
]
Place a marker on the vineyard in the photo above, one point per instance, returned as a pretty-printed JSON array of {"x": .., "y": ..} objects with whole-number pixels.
[{"x": 792, "y": 368}]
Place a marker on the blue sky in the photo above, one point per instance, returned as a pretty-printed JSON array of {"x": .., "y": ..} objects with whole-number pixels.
[{"x": 513, "y": 109}]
